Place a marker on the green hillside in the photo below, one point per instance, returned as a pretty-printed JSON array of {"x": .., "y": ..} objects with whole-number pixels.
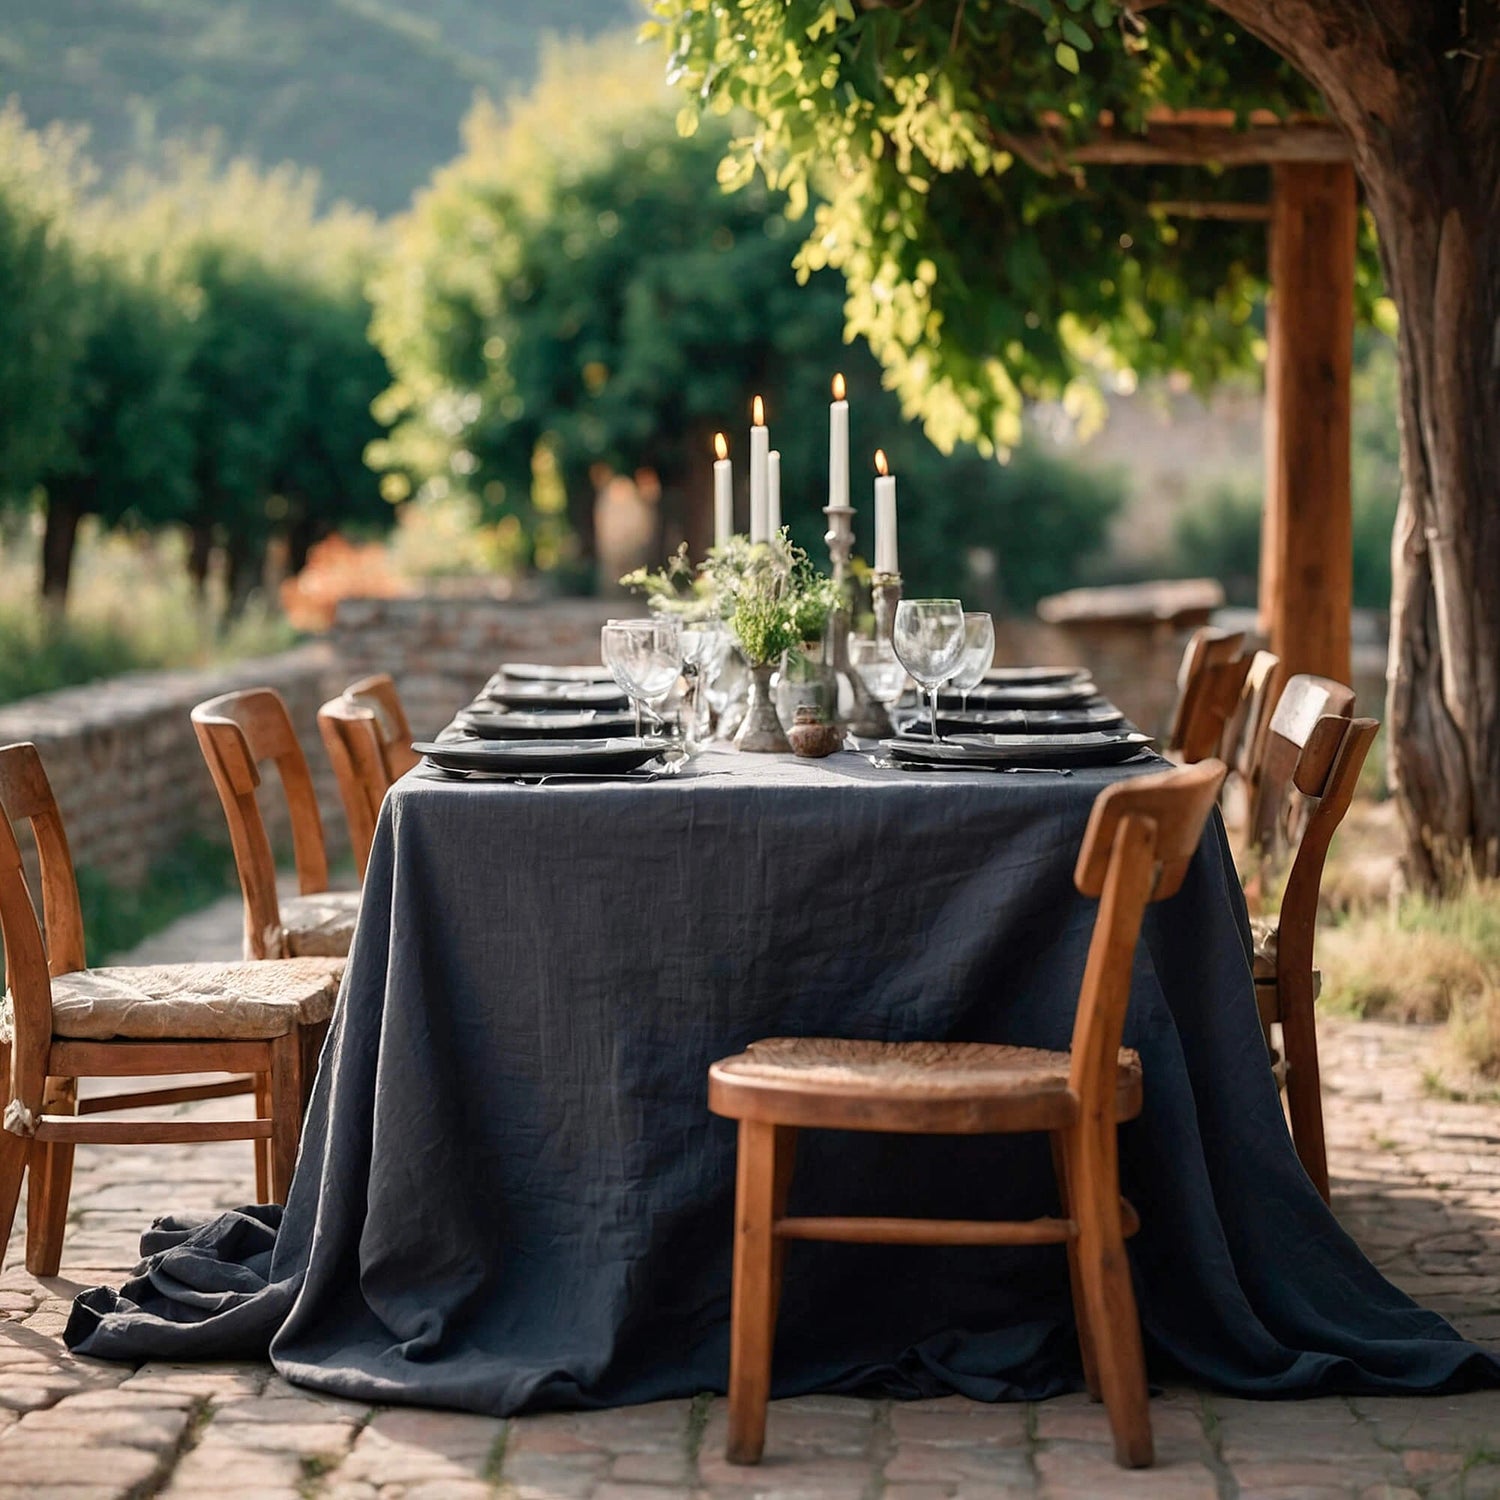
[{"x": 370, "y": 92}]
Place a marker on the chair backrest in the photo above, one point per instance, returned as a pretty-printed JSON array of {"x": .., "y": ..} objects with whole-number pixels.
[
  {"x": 352, "y": 739},
  {"x": 1315, "y": 750},
  {"x": 1296, "y": 756},
  {"x": 1141, "y": 836},
  {"x": 392, "y": 727},
  {"x": 1209, "y": 682},
  {"x": 238, "y": 732},
  {"x": 34, "y": 951},
  {"x": 1244, "y": 738}
]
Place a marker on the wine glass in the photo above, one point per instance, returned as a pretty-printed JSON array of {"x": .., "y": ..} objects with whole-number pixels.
[
  {"x": 929, "y": 640},
  {"x": 874, "y": 661},
  {"x": 978, "y": 655},
  {"x": 705, "y": 644},
  {"x": 644, "y": 657}
]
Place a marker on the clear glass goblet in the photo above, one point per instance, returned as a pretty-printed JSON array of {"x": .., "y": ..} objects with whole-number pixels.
[
  {"x": 978, "y": 655},
  {"x": 644, "y": 657},
  {"x": 875, "y": 663},
  {"x": 928, "y": 638},
  {"x": 705, "y": 645}
]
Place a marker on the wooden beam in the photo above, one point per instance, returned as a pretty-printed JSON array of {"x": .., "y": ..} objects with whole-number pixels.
[
  {"x": 1306, "y": 590},
  {"x": 1248, "y": 213},
  {"x": 1187, "y": 137}
]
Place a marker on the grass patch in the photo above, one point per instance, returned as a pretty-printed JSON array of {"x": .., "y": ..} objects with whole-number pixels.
[
  {"x": 131, "y": 608},
  {"x": 115, "y": 918},
  {"x": 1424, "y": 960}
]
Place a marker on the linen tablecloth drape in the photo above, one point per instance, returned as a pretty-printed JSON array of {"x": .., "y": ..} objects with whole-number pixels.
[{"x": 512, "y": 1196}]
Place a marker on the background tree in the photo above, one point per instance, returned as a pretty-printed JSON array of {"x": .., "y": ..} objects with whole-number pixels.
[
  {"x": 601, "y": 300},
  {"x": 982, "y": 274},
  {"x": 42, "y": 325},
  {"x": 128, "y": 411}
]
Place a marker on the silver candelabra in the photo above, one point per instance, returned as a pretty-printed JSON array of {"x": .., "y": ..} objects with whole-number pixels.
[{"x": 866, "y": 717}]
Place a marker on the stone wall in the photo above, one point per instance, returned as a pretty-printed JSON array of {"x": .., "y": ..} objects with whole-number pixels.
[
  {"x": 441, "y": 649},
  {"x": 132, "y": 783},
  {"x": 127, "y": 771}
]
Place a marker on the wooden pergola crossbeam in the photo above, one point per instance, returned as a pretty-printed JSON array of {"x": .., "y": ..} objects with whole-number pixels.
[{"x": 1306, "y": 585}]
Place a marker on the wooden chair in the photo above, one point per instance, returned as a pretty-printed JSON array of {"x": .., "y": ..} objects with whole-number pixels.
[
  {"x": 262, "y": 1022},
  {"x": 1243, "y": 744},
  {"x": 1209, "y": 681},
  {"x": 1136, "y": 850},
  {"x": 351, "y": 737},
  {"x": 238, "y": 732},
  {"x": 379, "y": 695},
  {"x": 1313, "y": 755}
]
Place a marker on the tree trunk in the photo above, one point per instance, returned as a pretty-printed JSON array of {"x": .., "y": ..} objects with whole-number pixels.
[
  {"x": 244, "y": 573},
  {"x": 200, "y": 555},
  {"x": 1442, "y": 262},
  {"x": 59, "y": 539},
  {"x": 1417, "y": 88}
]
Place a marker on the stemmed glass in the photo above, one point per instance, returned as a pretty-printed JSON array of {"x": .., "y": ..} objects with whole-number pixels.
[
  {"x": 705, "y": 644},
  {"x": 875, "y": 662},
  {"x": 978, "y": 655},
  {"x": 644, "y": 657},
  {"x": 928, "y": 637}
]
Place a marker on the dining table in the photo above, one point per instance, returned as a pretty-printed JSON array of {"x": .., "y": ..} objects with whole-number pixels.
[{"x": 511, "y": 1195}]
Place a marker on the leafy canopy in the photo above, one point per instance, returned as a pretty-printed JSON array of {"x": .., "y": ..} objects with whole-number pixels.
[{"x": 983, "y": 272}]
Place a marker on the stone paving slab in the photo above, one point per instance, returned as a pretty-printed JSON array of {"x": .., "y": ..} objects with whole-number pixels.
[{"x": 1417, "y": 1182}]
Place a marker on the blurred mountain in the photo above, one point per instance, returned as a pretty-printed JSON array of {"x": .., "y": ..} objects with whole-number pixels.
[{"x": 369, "y": 92}]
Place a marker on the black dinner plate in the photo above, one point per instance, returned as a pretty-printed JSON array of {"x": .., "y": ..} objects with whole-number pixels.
[
  {"x": 574, "y": 695},
  {"x": 1033, "y": 676},
  {"x": 526, "y": 757},
  {"x": 1038, "y": 695},
  {"x": 1099, "y": 715},
  {"x": 536, "y": 671},
  {"x": 491, "y": 722},
  {"x": 1094, "y": 749}
]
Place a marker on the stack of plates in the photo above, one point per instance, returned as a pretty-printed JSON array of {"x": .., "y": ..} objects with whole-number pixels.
[
  {"x": 996, "y": 751},
  {"x": 491, "y": 721},
  {"x": 513, "y": 693},
  {"x": 991, "y": 696},
  {"x": 533, "y": 671},
  {"x": 520, "y": 758},
  {"x": 1093, "y": 715}
]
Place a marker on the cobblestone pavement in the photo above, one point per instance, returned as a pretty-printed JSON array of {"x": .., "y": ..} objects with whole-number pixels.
[{"x": 1417, "y": 1182}]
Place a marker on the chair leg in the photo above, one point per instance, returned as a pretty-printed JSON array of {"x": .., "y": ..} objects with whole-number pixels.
[
  {"x": 312, "y": 1038},
  {"x": 286, "y": 1112},
  {"x": 1304, "y": 1087},
  {"x": 1080, "y": 1303},
  {"x": 1108, "y": 1296},
  {"x": 14, "y": 1153},
  {"x": 50, "y": 1186},
  {"x": 262, "y": 1145},
  {"x": 763, "y": 1177}
]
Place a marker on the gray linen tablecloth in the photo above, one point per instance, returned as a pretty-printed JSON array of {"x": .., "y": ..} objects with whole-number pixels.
[{"x": 512, "y": 1195}]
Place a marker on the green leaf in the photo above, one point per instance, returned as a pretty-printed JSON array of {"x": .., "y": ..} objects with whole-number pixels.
[
  {"x": 1075, "y": 34},
  {"x": 1066, "y": 57},
  {"x": 687, "y": 119}
]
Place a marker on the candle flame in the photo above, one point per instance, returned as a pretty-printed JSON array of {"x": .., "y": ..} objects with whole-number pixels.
[
  {"x": 721, "y": 447},
  {"x": 758, "y": 412},
  {"x": 838, "y": 387},
  {"x": 881, "y": 465}
]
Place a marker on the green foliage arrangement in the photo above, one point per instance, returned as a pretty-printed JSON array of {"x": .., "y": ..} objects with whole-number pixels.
[
  {"x": 914, "y": 124},
  {"x": 771, "y": 595}
]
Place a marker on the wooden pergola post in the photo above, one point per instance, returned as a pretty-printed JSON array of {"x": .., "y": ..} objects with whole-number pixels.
[{"x": 1306, "y": 575}]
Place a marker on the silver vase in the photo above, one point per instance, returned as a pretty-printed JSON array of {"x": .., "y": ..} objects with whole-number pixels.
[{"x": 761, "y": 729}]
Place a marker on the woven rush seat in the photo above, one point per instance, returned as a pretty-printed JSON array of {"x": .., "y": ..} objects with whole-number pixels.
[
  {"x": 197, "y": 1002},
  {"x": 943, "y": 1086},
  {"x": 318, "y": 926}
]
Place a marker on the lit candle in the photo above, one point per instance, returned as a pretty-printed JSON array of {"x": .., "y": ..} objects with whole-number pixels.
[
  {"x": 885, "y": 517},
  {"x": 773, "y": 492},
  {"x": 838, "y": 445},
  {"x": 760, "y": 449},
  {"x": 723, "y": 492}
]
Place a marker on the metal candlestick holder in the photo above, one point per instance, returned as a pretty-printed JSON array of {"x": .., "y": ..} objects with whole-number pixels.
[
  {"x": 887, "y": 591},
  {"x": 866, "y": 717}
]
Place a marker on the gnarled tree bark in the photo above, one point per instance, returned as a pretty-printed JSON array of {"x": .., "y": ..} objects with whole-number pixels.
[{"x": 1417, "y": 87}]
